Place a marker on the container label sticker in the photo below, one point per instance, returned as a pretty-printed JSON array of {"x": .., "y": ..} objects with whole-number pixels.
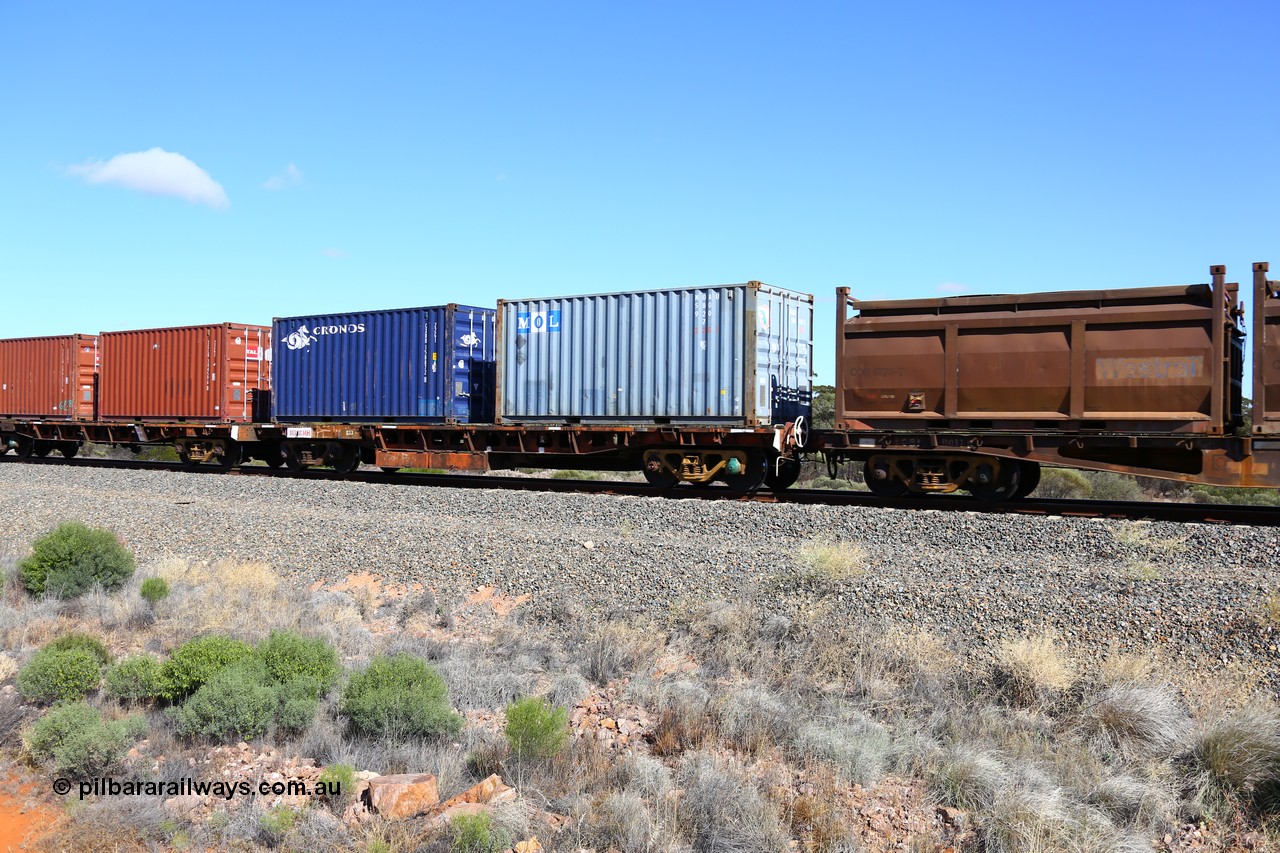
[
  {"x": 297, "y": 432},
  {"x": 528, "y": 322},
  {"x": 1175, "y": 367},
  {"x": 253, "y": 352}
]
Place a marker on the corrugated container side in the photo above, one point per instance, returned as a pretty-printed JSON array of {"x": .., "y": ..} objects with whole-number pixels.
[
  {"x": 50, "y": 378},
  {"x": 1139, "y": 359},
  {"x": 737, "y": 354},
  {"x": 421, "y": 364},
  {"x": 1266, "y": 348},
  {"x": 184, "y": 373}
]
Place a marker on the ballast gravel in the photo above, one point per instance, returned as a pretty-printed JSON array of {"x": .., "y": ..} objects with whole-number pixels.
[{"x": 1194, "y": 592}]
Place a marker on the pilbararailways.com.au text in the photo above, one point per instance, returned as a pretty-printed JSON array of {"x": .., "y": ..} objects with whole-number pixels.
[{"x": 106, "y": 787}]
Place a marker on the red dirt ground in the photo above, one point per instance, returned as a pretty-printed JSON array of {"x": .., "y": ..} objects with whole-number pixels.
[{"x": 21, "y": 821}]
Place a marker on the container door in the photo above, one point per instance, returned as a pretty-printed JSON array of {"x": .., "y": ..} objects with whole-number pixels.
[
  {"x": 471, "y": 364},
  {"x": 783, "y": 356}
]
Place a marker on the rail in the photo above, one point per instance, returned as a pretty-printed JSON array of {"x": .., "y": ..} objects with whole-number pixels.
[{"x": 1120, "y": 510}]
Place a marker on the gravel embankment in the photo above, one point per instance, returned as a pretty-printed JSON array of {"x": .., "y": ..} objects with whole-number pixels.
[{"x": 972, "y": 577}]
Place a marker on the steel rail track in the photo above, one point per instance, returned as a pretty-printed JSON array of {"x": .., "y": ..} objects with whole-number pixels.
[{"x": 1123, "y": 510}]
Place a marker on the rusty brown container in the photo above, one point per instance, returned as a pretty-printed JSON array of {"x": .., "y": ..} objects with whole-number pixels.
[
  {"x": 1153, "y": 359},
  {"x": 202, "y": 373},
  {"x": 1266, "y": 351},
  {"x": 50, "y": 378}
]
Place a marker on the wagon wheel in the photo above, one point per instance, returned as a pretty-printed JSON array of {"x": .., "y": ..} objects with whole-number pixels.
[
  {"x": 232, "y": 453},
  {"x": 25, "y": 445},
  {"x": 69, "y": 449},
  {"x": 184, "y": 456},
  {"x": 886, "y": 488},
  {"x": 658, "y": 475},
  {"x": 292, "y": 460},
  {"x": 272, "y": 455},
  {"x": 1003, "y": 488},
  {"x": 346, "y": 459},
  {"x": 41, "y": 450},
  {"x": 752, "y": 475},
  {"x": 782, "y": 473},
  {"x": 1030, "y": 479}
]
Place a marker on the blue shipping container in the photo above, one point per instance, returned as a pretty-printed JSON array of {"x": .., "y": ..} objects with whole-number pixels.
[
  {"x": 405, "y": 364},
  {"x": 727, "y": 354}
]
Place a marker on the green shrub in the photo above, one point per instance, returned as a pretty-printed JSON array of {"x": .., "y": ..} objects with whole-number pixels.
[
  {"x": 154, "y": 589},
  {"x": 68, "y": 642},
  {"x": 60, "y": 675},
  {"x": 236, "y": 703},
  {"x": 1063, "y": 483},
  {"x": 475, "y": 833},
  {"x": 196, "y": 661},
  {"x": 1114, "y": 487},
  {"x": 289, "y": 655},
  {"x": 135, "y": 679},
  {"x": 339, "y": 781},
  {"x": 73, "y": 558},
  {"x": 535, "y": 728},
  {"x": 399, "y": 696},
  {"x": 277, "y": 822},
  {"x": 80, "y": 742},
  {"x": 296, "y": 703},
  {"x": 1221, "y": 495}
]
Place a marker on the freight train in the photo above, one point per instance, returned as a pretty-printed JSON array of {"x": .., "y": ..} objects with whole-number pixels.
[{"x": 690, "y": 385}]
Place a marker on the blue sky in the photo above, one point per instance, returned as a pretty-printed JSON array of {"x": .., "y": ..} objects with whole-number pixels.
[{"x": 328, "y": 157}]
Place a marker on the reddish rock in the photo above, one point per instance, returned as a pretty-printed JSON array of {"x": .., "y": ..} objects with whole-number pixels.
[
  {"x": 491, "y": 790},
  {"x": 403, "y": 795}
]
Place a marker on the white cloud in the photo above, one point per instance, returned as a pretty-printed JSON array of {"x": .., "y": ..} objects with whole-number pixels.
[
  {"x": 336, "y": 254},
  {"x": 157, "y": 172},
  {"x": 291, "y": 177},
  {"x": 953, "y": 288}
]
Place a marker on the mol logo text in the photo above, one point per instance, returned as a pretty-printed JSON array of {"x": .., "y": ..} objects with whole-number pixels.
[{"x": 528, "y": 322}]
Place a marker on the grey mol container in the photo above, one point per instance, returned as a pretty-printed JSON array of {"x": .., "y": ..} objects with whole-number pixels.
[{"x": 737, "y": 354}]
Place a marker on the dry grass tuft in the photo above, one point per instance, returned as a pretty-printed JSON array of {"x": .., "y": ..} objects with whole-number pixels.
[
  {"x": 816, "y": 818},
  {"x": 1129, "y": 668},
  {"x": 858, "y": 750},
  {"x": 970, "y": 778},
  {"x": 8, "y": 667},
  {"x": 723, "y": 811},
  {"x": 113, "y": 824},
  {"x": 1034, "y": 670},
  {"x": 1128, "y": 800},
  {"x": 1271, "y": 609},
  {"x": 832, "y": 562},
  {"x": 1242, "y": 752},
  {"x": 753, "y": 719},
  {"x": 684, "y": 720},
  {"x": 616, "y": 649},
  {"x": 1146, "y": 552},
  {"x": 1140, "y": 721},
  {"x": 248, "y": 600},
  {"x": 1224, "y": 689}
]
